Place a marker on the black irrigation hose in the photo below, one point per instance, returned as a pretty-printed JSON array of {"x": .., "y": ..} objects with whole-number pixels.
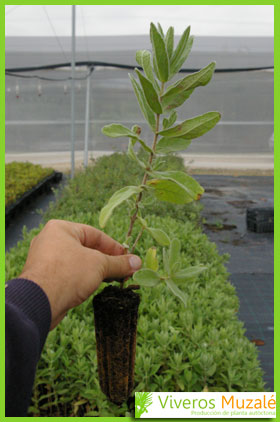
[
  {"x": 43, "y": 78},
  {"x": 124, "y": 66}
]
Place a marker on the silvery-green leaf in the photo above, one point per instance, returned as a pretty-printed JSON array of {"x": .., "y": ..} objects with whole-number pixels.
[
  {"x": 166, "y": 145},
  {"x": 155, "y": 67},
  {"x": 176, "y": 291},
  {"x": 150, "y": 93},
  {"x": 192, "y": 189},
  {"x": 175, "y": 268},
  {"x": 160, "y": 53},
  {"x": 176, "y": 100},
  {"x": 169, "y": 41},
  {"x": 160, "y": 30},
  {"x": 170, "y": 121},
  {"x": 151, "y": 260},
  {"x": 165, "y": 259},
  {"x": 142, "y": 221},
  {"x": 144, "y": 106},
  {"x": 170, "y": 191},
  {"x": 177, "y": 93},
  {"x": 181, "y": 45},
  {"x": 145, "y": 146},
  {"x": 181, "y": 52},
  {"x": 143, "y": 57},
  {"x": 174, "y": 253},
  {"x": 177, "y": 66},
  {"x": 116, "y": 130},
  {"x": 160, "y": 236},
  {"x": 118, "y": 197},
  {"x": 146, "y": 277},
  {"x": 193, "y": 128},
  {"x": 188, "y": 273},
  {"x": 132, "y": 155}
]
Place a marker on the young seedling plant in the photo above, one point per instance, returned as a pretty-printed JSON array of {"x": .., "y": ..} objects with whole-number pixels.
[{"x": 158, "y": 100}]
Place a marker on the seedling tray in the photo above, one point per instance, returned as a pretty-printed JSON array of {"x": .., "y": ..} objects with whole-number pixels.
[
  {"x": 42, "y": 187},
  {"x": 260, "y": 220}
]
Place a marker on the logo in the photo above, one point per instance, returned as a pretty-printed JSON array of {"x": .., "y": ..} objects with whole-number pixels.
[
  {"x": 142, "y": 401},
  {"x": 205, "y": 405}
]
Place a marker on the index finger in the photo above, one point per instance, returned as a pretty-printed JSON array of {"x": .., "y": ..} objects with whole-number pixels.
[{"x": 92, "y": 238}]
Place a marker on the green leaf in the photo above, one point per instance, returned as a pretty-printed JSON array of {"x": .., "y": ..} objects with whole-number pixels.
[
  {"x": 165, "y": 259},
  {"x": 176, "y": 186},
  {"x": 146, "y": 277},
  {"x": 181, "y": 52},
  {"x": 142, "y": 221},
  {"x": 176, "y": 100},
  {"x": 174, "y": 253},
  {"x": 188, "y": 273},
  {"x": 116, "y": 130},
  {"x": 118, "y": 197},
  {"x": 165, "y": 145},
  {"x": 160, "y": 53},
  {"x": 195, "y": 127},
  {"x": 176, "y": 291},
  {"x": 145, "y": 146},
  {"x": 160, "y": 236},
  {"x": 169, "y": 41},
  {"x": 155, "y": 67},
  {"x": 177, "y": 93},
  {"x": 151, "y": 261},
  {"x": 150, "y": 93},
  {"x": 144, "y": 106},
  {"x": 170, "y": 121},
  {"x": 170, "y": 191},
  {"x": 143, "y": 58},
  {"x": 132, "y": 155},
  {"x": 210, "y": 370},
  {"x": 160, "y": 30}
]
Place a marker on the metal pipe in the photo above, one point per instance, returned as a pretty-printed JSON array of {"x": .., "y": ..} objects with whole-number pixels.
[
  {"x": 87, "y": 121},
  {"x": 73, "y": 93}
]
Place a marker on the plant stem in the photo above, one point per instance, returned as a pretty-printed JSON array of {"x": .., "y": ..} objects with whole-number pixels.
[
  {"x": 137, "y": 239},
  {"x": 144, "y": 181},
  {"x": 139, "y": 197}
]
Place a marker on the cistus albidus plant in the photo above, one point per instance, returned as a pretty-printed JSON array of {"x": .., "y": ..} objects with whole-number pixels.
[{"x": 116, "y": 308}]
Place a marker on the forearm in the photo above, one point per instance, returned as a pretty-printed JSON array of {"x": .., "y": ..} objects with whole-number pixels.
[{"x": 28, "y": 319}]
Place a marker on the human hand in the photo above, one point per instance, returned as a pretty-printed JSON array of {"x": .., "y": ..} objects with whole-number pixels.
[{"x": 70, "y": 260}]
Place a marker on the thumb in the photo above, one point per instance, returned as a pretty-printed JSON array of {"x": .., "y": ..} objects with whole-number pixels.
[{"x": 118, "y": 267}]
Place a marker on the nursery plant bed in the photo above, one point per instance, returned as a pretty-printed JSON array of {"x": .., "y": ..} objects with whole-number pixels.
[
  {"x": 43, "y": 186},
  {"x": 116, "y": 314}
]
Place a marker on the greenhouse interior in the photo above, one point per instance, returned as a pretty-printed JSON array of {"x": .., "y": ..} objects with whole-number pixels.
[{"x": 178, "y": 173}]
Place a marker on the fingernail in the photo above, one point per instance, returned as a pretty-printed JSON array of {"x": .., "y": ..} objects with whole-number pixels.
[{"x": 135, "y": 262}]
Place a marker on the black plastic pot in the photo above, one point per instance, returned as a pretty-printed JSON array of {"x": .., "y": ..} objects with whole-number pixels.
[
  {"x": 115, "y": 316},
  {"x": 260, "y": 220}
]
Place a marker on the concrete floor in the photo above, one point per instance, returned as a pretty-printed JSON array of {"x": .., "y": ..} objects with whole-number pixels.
[{"x": 250, "y": 265}]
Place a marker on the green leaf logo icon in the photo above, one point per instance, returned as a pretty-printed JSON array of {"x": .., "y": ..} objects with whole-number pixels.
[{"x": 142, "y": 401}]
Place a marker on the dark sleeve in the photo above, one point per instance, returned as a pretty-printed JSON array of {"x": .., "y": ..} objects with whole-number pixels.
[{"x": 28, "y": 318}]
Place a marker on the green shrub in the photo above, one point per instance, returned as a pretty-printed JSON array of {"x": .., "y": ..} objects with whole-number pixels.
[
  {"x": 90, "y": 189},
  {"x": 178, "y": 349},
  {"x": 21, "y": 177}
]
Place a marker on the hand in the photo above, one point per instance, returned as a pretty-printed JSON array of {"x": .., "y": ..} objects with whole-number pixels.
[{"x": 70, "y": 260}]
